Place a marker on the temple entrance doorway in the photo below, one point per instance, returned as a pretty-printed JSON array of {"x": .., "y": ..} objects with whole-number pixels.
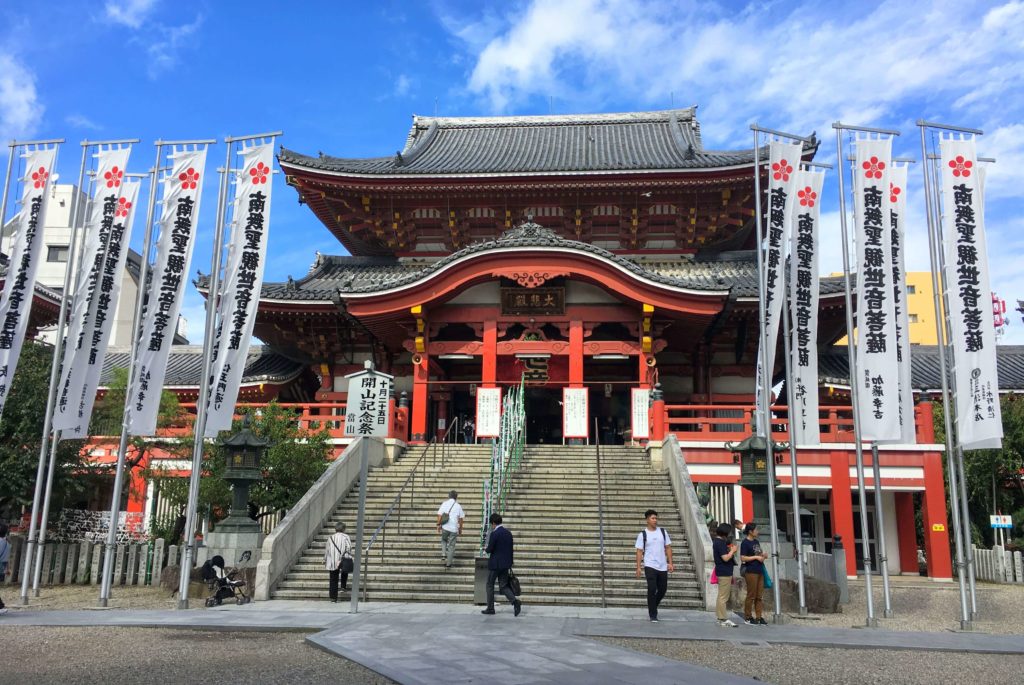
[{"x": 543, "y": 416}]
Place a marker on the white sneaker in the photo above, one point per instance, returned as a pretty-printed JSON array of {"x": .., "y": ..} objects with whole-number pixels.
[
  {"x": 3, "y": 611},
  {"x": 727, "y": 624}
]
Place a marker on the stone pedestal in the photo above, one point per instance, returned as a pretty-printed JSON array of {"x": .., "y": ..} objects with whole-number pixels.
[{"x": 239, "y": 549}]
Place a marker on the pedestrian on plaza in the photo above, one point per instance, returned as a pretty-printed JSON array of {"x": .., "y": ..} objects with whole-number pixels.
[
  {"x": 654, "y": 561},
  {"x": 469, "y": 431},
  {"x": 338, "y": 560},
  {"x": 449, "y": 524},
  {"x": 499, "y": 546},
  {"x": 753, "y": 572},
  {"x": 725, "y": 552},
  {"x": 5, "y": 556}
]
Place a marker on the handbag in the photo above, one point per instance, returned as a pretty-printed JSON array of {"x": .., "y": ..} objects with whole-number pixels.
[
  {"x": 714, "y": 576},
  {"x": 444, "y": 516},
  {"x": 347, "y": 565},
  {"x": 513, "y": 582},
  {"x": 767, "y": 580}
]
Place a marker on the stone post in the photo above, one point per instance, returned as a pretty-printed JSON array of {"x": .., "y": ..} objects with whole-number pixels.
[
  {"x": 158, "y": 561},
  {"x": 71, "y": 563},
  {"x": 60, "y": 560},
  {"x": 94, "y": 564},
  {"x": 120, "y": 557},
  {"x": 839, "y": 559},
  {"x": 172, "y": 555},
  {"x": 133, "y": 564},
  {"x": 85, "y": 552},
  {"x": 48, "y": 550}
]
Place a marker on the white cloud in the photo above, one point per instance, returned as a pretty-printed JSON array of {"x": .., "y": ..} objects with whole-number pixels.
[
  {"x": 81, "y": 121},
  {"x": 164, "y": 49},
  {"x": 131, "y": 13},
  {"x": 402, "y": 85},
  {"x": 20, "y": 109}
]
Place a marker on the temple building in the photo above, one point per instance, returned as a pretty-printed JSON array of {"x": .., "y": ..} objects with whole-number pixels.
[{"x": 610, "y": 252}]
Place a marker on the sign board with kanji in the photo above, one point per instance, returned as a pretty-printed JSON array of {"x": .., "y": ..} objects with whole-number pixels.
[
  {"x": 366, "y": 410},
  {"x": 640, "y": 404},
  {"x": 488, "y": 412},
  {"x": 575, "y": 413}
]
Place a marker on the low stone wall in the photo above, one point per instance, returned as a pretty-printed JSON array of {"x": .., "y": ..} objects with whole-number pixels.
[{"x": 80, "y": 563}]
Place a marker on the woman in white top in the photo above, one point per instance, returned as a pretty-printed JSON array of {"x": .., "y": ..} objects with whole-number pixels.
[{"x": 338, "y": 560}]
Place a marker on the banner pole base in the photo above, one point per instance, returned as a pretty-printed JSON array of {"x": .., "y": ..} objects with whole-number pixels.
[
  {"x": 888, "y": 613},
  {"x": 778, "y": 619},
  {"x": 182, "y": 604},
  {"x": 871, "y": 622},
  {"x": 803, "y": 611},
  {"x": 966, "y": 626}
]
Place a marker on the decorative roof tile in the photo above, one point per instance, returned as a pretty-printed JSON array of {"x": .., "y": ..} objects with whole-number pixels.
[
  {"x": 185, "y": 364},
  {"x": 834, "y": 367}
]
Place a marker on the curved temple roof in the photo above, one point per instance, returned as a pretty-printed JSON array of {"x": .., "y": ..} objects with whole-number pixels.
[{"x": 666, "y": 140}]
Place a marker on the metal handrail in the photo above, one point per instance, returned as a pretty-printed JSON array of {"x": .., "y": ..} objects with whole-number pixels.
[
  {"x": 507, "y": 454},
  {"x": 600, "y": 510},
  {"x": 396, "y": 503}
]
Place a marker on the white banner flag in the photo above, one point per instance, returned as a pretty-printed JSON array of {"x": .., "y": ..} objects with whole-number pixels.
[
  {"x": 20, "y": 282},
  {"x": 978, "y": 421},
  {"x": 877, "y": 379},
  {"x": 181, "y": 195},
  {"x": 803, "y": 303},
  {"x": 109, "y": 182},
  {"x": 784, "y": 160},
  {"x": 243, "y": 280},
  {"x": 898, "y": 213},
  {"x": 100, "y": 322}
]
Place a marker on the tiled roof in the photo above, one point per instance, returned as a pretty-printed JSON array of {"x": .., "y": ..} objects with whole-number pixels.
[
  {"x": 735, "y": 272},
  {"x": 632, "y": 141},
  {"x": 41, "y": 290},
  {"x": 184, "y": 365},
  {"x": 833, "y": 367}
]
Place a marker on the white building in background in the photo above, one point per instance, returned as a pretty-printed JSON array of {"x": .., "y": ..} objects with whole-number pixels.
[{"x": 67, "y": 203}]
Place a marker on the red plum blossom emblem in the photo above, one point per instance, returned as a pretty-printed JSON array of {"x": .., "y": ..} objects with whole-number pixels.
[
  {"x": 807, "y": 197},
  {"x": 894, "y": 192},
  {"x": 122, "y": 207},
  {"x": 873, "y": 168},
  {"x": 781, "y": 170},
  {"x": 961, "y": 166},
  {"x": 259, "y": 173},
  {"x": 39, "y": 177},
  {"x": 114, "y": 177},
  {"x": 189, "y": 178}
]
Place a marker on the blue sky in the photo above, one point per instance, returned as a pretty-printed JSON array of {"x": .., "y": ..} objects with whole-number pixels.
[{"x": 345, "y": 78}]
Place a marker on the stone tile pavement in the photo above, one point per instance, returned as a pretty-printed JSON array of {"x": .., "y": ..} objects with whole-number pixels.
[{"x": 430, "y": 643}]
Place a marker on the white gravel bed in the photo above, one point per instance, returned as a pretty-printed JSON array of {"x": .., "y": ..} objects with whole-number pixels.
[
  {"x": 134, "y": 656},
  {"x": 790, "y": 665}
]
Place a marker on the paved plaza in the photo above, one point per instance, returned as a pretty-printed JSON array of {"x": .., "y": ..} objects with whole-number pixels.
[{"x": 546, "y": 644}]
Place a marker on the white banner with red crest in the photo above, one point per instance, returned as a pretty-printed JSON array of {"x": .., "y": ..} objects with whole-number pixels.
[
  {"x": 783, "y": 160},
  {"x": 979, "y": 424},
  {"x": 898, "y": 214},
  {"x": 20, "y": 281},
  {"x": 100, "y": 322},
  {"x": 108, "y": 185},
  {"x": 240, "y": 296},
  {"x": 877, "y": 380},
  {"x": 182, "y": 190},
  {"x": 804, "y": 248}
]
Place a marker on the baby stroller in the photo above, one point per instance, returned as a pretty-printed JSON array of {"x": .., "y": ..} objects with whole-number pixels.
[{"x": 223, "y": 584}]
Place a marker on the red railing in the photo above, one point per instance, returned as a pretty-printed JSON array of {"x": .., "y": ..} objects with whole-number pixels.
[
  {"x": 732, "y": 422},
  {"x": 310, "y": 416}
]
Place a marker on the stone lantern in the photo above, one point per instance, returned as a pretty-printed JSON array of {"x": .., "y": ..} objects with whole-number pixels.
[
  {"x": 752, "y": 458},
  {"x": 238, "y": 538}
]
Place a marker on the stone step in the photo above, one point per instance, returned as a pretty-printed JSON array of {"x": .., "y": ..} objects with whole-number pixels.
[{"x": 466, "y": 597}]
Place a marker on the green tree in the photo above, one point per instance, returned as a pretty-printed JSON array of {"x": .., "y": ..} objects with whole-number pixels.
[
  {"x": 21, "y": 432},
  {"x": 293, "y": 462}
]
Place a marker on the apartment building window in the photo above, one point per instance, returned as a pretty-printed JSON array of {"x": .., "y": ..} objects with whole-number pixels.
[
  {"x": 912, "y": 318},
  {"x": 57, "y": 253},
  {"x": 911, "y": 290}
]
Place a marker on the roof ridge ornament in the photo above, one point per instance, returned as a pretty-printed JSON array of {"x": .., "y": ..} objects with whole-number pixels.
[{"x": 529, "y": 230}]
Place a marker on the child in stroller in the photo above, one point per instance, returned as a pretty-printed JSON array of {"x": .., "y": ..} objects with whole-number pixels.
[{"x": 227, "y": 587}]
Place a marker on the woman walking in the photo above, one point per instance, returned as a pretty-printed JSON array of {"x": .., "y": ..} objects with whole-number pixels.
[
  {"x": 338, "y": 560},
  {"x": 753, "y": 573},
  {"x": 725, "y": 552}
]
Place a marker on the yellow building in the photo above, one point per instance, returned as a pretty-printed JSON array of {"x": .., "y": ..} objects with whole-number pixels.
[{"x": 920, "y": 308}]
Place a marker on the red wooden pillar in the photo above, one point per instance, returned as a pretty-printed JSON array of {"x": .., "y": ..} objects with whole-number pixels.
[
  {"x": 907, "y": 531},
  {"x": 575, "y": 354},
  {"x": 924, "y": 420},
  {"x": 420, "y": 379},
  {"x": 489, "y": 367},
  {"x": 747, "y": 505},
  {"x": 936, "y": 536},
  {"x": 442, "y": 415},
  {"x": 842, "y": 507},
  {"x": 657, "y": 414}
]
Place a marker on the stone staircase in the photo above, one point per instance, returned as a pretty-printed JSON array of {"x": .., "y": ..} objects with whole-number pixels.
[{"x": 552, "y": 512}]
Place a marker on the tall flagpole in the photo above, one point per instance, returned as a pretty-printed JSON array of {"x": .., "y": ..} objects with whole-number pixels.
[
  {"x": 865, "y": 530},
  {"x": 7, "y": 185},
  {"x": 766, "y": 392},
  {"x": 122, "y": 447},
  {"x": 958, "y": 453},
  {"x": 935, "y": 248},
  {"x": 48, "y": 418},
  {"x": 787, "y": 330},
  {"x": 190, "y": 547},
  {"x": 55, "y": 437}
]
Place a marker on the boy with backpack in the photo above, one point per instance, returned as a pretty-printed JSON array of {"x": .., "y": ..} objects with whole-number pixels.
[{"x": 654, "y": 561}]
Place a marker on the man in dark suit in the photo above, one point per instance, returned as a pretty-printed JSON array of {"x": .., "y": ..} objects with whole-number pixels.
[{"x": 499, "y": 546}]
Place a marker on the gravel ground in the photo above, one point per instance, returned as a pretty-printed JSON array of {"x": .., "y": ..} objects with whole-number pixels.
[
  {"x": 789, "y": 665},
  {"x": 930, "y": 607},
  {"x": 110, "y": 656}
]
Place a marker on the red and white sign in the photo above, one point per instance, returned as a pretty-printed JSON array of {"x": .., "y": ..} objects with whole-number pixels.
[
  {"x": 640, "y": 412},
  {"x": 488, "y": 412},
  {"x": 575, "y": 413}
]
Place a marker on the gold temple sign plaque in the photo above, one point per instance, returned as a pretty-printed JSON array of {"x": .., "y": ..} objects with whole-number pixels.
[{"x": 532, "y": 301}]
